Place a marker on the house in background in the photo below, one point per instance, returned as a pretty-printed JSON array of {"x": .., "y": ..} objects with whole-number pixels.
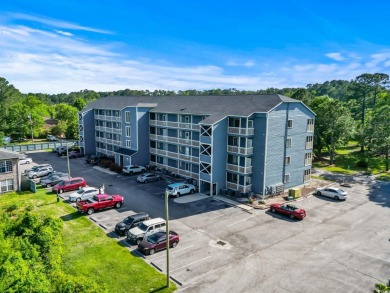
[
  {"x": 244, "y": 143},
  {"x": 9, "y": 171}
]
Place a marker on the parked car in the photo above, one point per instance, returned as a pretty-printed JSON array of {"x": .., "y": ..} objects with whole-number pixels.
[
  {"x": 25, "y": 160},
  {"x": 146, "y": 228},
  {"x": 332, "y": 192},
  {"x": 177, "y": 189},
  {"x": 54, "y": 180},
  {"x": 158, "y": 241},
  {"x": 40, "y": 172},
  {"x": 289, "y": 210},
  {"x": 130, "y": 222},
  {"x": 99, "y": 202},
  {"x": 54, "y": 173},
  {"x": 51, "y": 138},
  {"x": 6, "y": 139},
  {"x": 75, "y": 154},
  {"x": 37, "y": 167},
  {"x": 93, "y": 159},
  {"x": 69, "y": 184},
  {"x": 132, "y": 169},
  {"x": 148, "y": 177},
  {"x": 19, "y": 139},
  {"x": 83, "y": 194},
  {"x": 62, "y": 151}
]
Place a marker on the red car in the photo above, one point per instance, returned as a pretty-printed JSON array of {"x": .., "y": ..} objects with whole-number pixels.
[
  {"x": 157, "y": 241},
  {"x": 289, "y": 210},
  {"x": 69, "y": 184},
  {"x": 99, "y": 202}
]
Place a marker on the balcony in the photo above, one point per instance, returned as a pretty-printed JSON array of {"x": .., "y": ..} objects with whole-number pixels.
[
  {"x": 108, "y": 118},
  {"x": 240, "y": 150},
  {"x": 174, "y": 155},
  {"x": 239, "y": 169},
  {"x": 108, "y": 129},
  {"x": 240, "y": 188},
  {"x": 241, "y": 131},
  {"x": 188, "y": 142},
  {"x": 175, "y": 170},
  {"x": 171, "y": 124}
]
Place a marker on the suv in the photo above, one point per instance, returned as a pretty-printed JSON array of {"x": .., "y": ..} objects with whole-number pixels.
[
  {"x": 54, "y": 180},
  {"x": 177, "y": 189},
  {"x": 131, "y": 169},
  {"x": 36, "y": 168},
  {"x": 146, "y": 228},
  {"x": 51, "y": 138},
  {"x": 40, "y": 172},
  {"x": 70, "y": 184},
  {"x": 130, "y": 222}
]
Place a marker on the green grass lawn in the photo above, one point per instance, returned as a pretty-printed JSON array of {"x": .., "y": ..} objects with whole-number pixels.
[{"x": 88, "y": 251}]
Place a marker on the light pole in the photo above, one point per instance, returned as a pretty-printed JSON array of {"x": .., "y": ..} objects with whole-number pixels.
[
  {"x": 31, "y": 122},
  {"x": 67, "y": 157},
  {"x": 167, "y": 234}
]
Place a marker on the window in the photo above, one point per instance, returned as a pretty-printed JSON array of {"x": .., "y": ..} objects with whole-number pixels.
[
  {"x": 128, "y": 131},
  {"x": 308, "y": 159},
  {"x": 286, "y": 178},
  {"x": 7, "y": 185},
  {"x": 309, "y": 142},
  {"x": 288, "y": 143},
  {"x": 250, "y": 123},
  {"x": 288, "y": 160},
  {"x": 128, "y": 143},
  {"x": 235, "y": 141},
  {"x": 290, "y": 123},
  {"x": 187, "y": 119},
  {"x": 310, "y": 124},
  {"x": 5, "y": 166},
  {"x": 307, "y": 175},
  {"x": 127, "y": 117}
]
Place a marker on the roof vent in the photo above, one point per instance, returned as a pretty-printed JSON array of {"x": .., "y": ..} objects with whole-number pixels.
[{"x": 183, "y": 109}]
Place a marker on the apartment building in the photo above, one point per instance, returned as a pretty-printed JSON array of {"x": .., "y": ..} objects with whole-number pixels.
[
  {"x": 247, "y": 143},
  {"x": 9, "y": 171}
]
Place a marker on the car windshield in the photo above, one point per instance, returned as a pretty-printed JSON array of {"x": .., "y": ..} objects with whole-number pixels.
[
  {"x": 143, "y": 227},
  {"x": 128, "y": 221},
  {"x": 61, "y": 183},
  {"x": 153, "y": 238},
  {"x": 169, "y": 188},
  {"x": 81, "y": 191}
]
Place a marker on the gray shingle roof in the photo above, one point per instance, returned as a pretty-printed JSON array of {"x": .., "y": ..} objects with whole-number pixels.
[
  {"x": 6, "y": 154},
  {"x": 221, "y": 106}
]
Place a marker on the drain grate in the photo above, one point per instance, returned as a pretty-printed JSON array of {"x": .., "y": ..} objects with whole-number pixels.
[{"x": 221, "y": 243}]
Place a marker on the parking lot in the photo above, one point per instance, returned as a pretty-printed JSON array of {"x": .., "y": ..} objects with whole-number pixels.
[{"x": 338, "y": 247}]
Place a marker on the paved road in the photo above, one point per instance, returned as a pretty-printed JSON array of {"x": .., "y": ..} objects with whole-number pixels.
[{"x": 339, "y": 247}]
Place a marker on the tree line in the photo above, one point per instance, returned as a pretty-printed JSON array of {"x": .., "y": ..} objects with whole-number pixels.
[{"x": 358, "y": 109}]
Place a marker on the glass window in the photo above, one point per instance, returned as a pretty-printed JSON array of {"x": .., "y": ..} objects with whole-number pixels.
[
  {"x": 286, "y": 178},
  {"x": 128, "y": 143},
  {"x": 128, "y": 131},
  {"x": 127, "y": 117},
  {"x": 288, "y": 143},
  {"x": 290, "y": 123},
  {"x": 288, "y": 160},
  {"x": 5, "y": 166}
]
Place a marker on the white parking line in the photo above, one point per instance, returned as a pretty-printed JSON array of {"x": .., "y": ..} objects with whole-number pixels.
[
  {"x": 170, "y": 252},
  {"x": 225, "y": 214},
  {"x": 373, "y": 256},
  {"x": 199, "y": 260},
  {"x": 241, "y": 221}
]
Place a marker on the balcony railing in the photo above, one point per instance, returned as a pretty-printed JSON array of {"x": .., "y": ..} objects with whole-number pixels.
[
  {"x": 108, "y": 129},
  {"x": 239, "y": 169},
  {"x": 174, "y": 140},
  {"x": 240, "y": 188},
  {"x": 240, "y": 150},
  {"x": 241, "y": 131},
  {"x": 108, "y": 118},
  {"x": 171, "y": 124},
  {"x": 175, "y": 170},
  {"x": 174, "y": 155},
  {"x": 105, "y": 151}
]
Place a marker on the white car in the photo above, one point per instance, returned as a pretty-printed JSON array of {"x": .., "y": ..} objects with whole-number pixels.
[
  {"x": 131, "y": 169},
  {"x": 177, "y": 189},
  {"x": 25, "y": 160},
  {"x": 83, "y": 194},
  {"x": 333, "y": 192}
]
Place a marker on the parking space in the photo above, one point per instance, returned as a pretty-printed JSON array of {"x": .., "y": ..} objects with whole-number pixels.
[{"x": 340, "y": 244}]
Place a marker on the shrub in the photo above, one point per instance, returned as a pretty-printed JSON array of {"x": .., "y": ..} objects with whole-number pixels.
[
  {"x": 11, "y": 208},
  {"x": 250, "y": 200},
  {"x": 112, "y": 166},
  {"x": 362, "y": 164},
  {"x": 118, "y": 169}
]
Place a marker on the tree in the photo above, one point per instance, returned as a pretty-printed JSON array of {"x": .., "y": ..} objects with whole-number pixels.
[
  {"x": 79, "y": 104},
  {"x": 380, "y": 129}
]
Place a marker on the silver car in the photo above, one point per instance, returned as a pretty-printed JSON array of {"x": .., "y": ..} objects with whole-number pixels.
[
  {"x": 148, "y": 177},
  {"x": 83, "y": 194},
  {"x": 40, "y": 172},
  {"x": 335, "y": 193}
]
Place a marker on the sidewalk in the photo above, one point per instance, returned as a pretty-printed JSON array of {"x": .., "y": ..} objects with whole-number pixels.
[{"x": 104, "y": 170}]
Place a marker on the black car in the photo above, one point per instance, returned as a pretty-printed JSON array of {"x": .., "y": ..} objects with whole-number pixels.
[
  {"x": 93, "y": 159},
  {"x": 130, "y": 222}
]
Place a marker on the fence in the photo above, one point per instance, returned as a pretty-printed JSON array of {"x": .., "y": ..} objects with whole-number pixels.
[{"x": 36, "y": 146}]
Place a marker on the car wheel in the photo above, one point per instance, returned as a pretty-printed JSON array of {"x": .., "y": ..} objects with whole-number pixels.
[
  {"x": 80, "y": 187},
  {"x": 138, "y": 241},
  {"x": 27, "y": 162},
  {"x": 273, "y": 210},
  {"x": 35, "y": 176},
  {"x": 61, "y": 191},
  {"x": 178, "y": 194},
  {"x": 48, "y": 185},
  {"x": 90, "y": 211},
  {"x": 336, "y": 197},
  {"x": 192, "y": 191},
  {"x": 146, "y": 181},
  {"x": 318, "y": 192},
  {"x": 151, "y": 251},
  {"x": 292, "y": 216},
  {"x": 118, "y": 205},
  {"x": 131, "y": 173},
  {"x": 174, "y": 244},
  {"x": 78, "y": 199}
]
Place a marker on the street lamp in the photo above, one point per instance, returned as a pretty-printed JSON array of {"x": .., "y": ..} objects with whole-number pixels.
[
  {"x": 31, "y": 122},
  {"x": 67, "y": 157},
  {"x": 167, "y": 234}
]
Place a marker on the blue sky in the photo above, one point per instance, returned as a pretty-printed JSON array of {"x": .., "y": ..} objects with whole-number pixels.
[{"x": 69, "y": 45}]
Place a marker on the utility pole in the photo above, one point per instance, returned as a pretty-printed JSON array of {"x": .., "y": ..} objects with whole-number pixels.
[
  {"x": 167, "y": 234},
  {"x": 31, "y": 123}
]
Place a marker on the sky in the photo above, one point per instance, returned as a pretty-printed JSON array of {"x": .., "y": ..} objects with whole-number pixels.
[{"x": 67, "y": 45}]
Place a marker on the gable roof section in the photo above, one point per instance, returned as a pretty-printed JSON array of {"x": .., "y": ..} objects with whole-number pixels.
[
  {"x": 216, "y": 107},
  {"x": 6, "y": 154}
]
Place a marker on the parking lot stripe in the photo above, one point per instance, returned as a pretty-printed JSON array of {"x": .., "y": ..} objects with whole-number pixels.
[
  {"x": 373, "y": 256},
  {"x": 170, "y": 252},
  {"x": 225, "y": 214},
  {"x": 241, "y": 221},
  {"x": 199, "y": 260}
]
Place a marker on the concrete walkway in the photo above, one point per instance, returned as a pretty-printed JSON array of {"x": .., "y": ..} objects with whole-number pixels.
[
  {"x": 105, "y": 170},
  {"x": 191, "y": 197},
  {"x": 233, "y": 203}
]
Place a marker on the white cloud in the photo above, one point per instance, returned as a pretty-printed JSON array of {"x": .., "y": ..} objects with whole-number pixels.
[
  {"x": 249, "y": 63},
  {"x": 335, "y": 56},
  {"x": 64, "y": 33}
]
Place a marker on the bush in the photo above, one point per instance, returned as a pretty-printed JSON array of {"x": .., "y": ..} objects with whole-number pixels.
[
  {"x": 250, "y": 200},
  {"x": 362, "y": 164},
  {"x": 112, "y": 166},
  {"x": 118, "y": 169}
]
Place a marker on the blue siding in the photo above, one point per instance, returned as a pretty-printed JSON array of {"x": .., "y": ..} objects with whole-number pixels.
[
  {"x": 260, "y": 125},
  {"x": 205, "y": 158},
  {"x": 142, "y": 138},
  {"x": 205, "y": 177},
  {"x": 89, "y": 132},
  {"x": 219, "y": 153},
  {"x": 205, "y": 139}
]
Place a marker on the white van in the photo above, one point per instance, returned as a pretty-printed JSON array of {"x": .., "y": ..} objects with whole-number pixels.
[{"x": 146, "y": 228}]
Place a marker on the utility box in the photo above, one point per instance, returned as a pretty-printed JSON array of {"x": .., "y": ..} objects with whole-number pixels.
[{"x": 294, "y": 193}]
